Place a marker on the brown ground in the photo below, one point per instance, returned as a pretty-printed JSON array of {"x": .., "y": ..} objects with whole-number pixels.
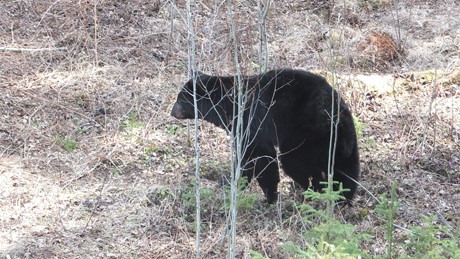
[{"x": 124, "y": 190}]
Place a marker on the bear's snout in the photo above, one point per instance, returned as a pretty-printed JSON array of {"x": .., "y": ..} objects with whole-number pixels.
[
  {"x": 177, "y": 111},
  {"x": 182, "y": 111}
]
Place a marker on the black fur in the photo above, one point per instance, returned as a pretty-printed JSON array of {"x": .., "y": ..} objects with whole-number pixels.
[{"x": 287, "y": 108}]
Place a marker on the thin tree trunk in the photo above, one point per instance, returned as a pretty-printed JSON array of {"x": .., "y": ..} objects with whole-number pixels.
[{"x": 191, "y": 64}]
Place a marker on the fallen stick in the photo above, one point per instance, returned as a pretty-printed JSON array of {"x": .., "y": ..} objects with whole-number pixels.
[{"x": 31, "y": 50}]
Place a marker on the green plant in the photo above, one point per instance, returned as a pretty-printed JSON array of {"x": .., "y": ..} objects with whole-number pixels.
[
  {"x": 387, "y": 208},
  {"x": 132, "y": 123},
  {"x": 150, "y": 151},
  {"x": 328, "y": 237},
  {"x": 245, "y": 200},
  {"x": 158, "y": 195},
  {"x": 327, "y": 195},
  {"x": 81, "y": 100},
  {"x": 370, "y": 142},
  {"x": 163, "y": 193},
  {"x": 373, "y": 4},
  {"x": 433, "y": 241},
  {"x": 67, "y": 144},
  {"x": 256, "y": 255},
  {"x": 172, "y": 129},
  {"x": 188, "y": 197},
  {"x": 116, "y": 173},
  {"x": 359, "y": 126}
]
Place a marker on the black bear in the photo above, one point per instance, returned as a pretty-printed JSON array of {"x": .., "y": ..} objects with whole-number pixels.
[{"x": 286, "y": 108}]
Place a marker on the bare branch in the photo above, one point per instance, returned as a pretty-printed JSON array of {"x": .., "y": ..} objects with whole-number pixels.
[{"x": 31, "y": 49}]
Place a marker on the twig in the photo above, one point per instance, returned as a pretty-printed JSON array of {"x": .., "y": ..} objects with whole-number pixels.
[
  {"x": 31, "y": 49},
  {"x": 172, "y": 14}
]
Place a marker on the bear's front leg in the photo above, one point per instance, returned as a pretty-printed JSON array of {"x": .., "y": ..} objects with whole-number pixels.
[{"x": 263, "y": 165}]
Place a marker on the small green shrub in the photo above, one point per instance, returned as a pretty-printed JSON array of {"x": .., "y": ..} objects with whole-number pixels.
[
  {"x": 81, "y": 100},
  {"x": 256, "y": 255},
  {"x": 132, "y": 123},
  {"x": 328, "y": 237},
  {"x": 387, "y": 208},
  {"x": 373, "y": 5},
  {"x": 246, "y": 200},
  {"x": 172, "y": 129},
  {"x": 153, "y": 151},
  {"x": 433, "y": 241},
  {"x": 359, "y": 126},
  {"x": 158, "y": 196},
  {"x": 67, "y": 144},
  {"x": 188, "y": 197}
]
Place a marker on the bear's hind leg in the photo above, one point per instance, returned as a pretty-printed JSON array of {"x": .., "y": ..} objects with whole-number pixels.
[{"x": 301, "y": 165}]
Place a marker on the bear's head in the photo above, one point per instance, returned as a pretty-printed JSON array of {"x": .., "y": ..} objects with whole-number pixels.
[
  {"x": 183, "y": 108},
  {"x": 211, "y": 97}
]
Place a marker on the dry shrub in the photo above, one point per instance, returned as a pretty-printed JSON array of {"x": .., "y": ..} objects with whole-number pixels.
[
  {"x": 379, "y": 50},
  {"x": 374, "y": 5}
]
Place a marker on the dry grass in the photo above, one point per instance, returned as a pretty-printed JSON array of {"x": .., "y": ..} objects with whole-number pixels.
[{"x": 122, "y": 191}]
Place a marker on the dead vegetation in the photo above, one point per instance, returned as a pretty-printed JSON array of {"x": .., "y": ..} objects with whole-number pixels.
[{"x": 92, "y": 165}]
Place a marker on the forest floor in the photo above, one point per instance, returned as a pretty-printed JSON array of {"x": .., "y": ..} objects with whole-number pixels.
[{"x": 92, "y": 165}]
